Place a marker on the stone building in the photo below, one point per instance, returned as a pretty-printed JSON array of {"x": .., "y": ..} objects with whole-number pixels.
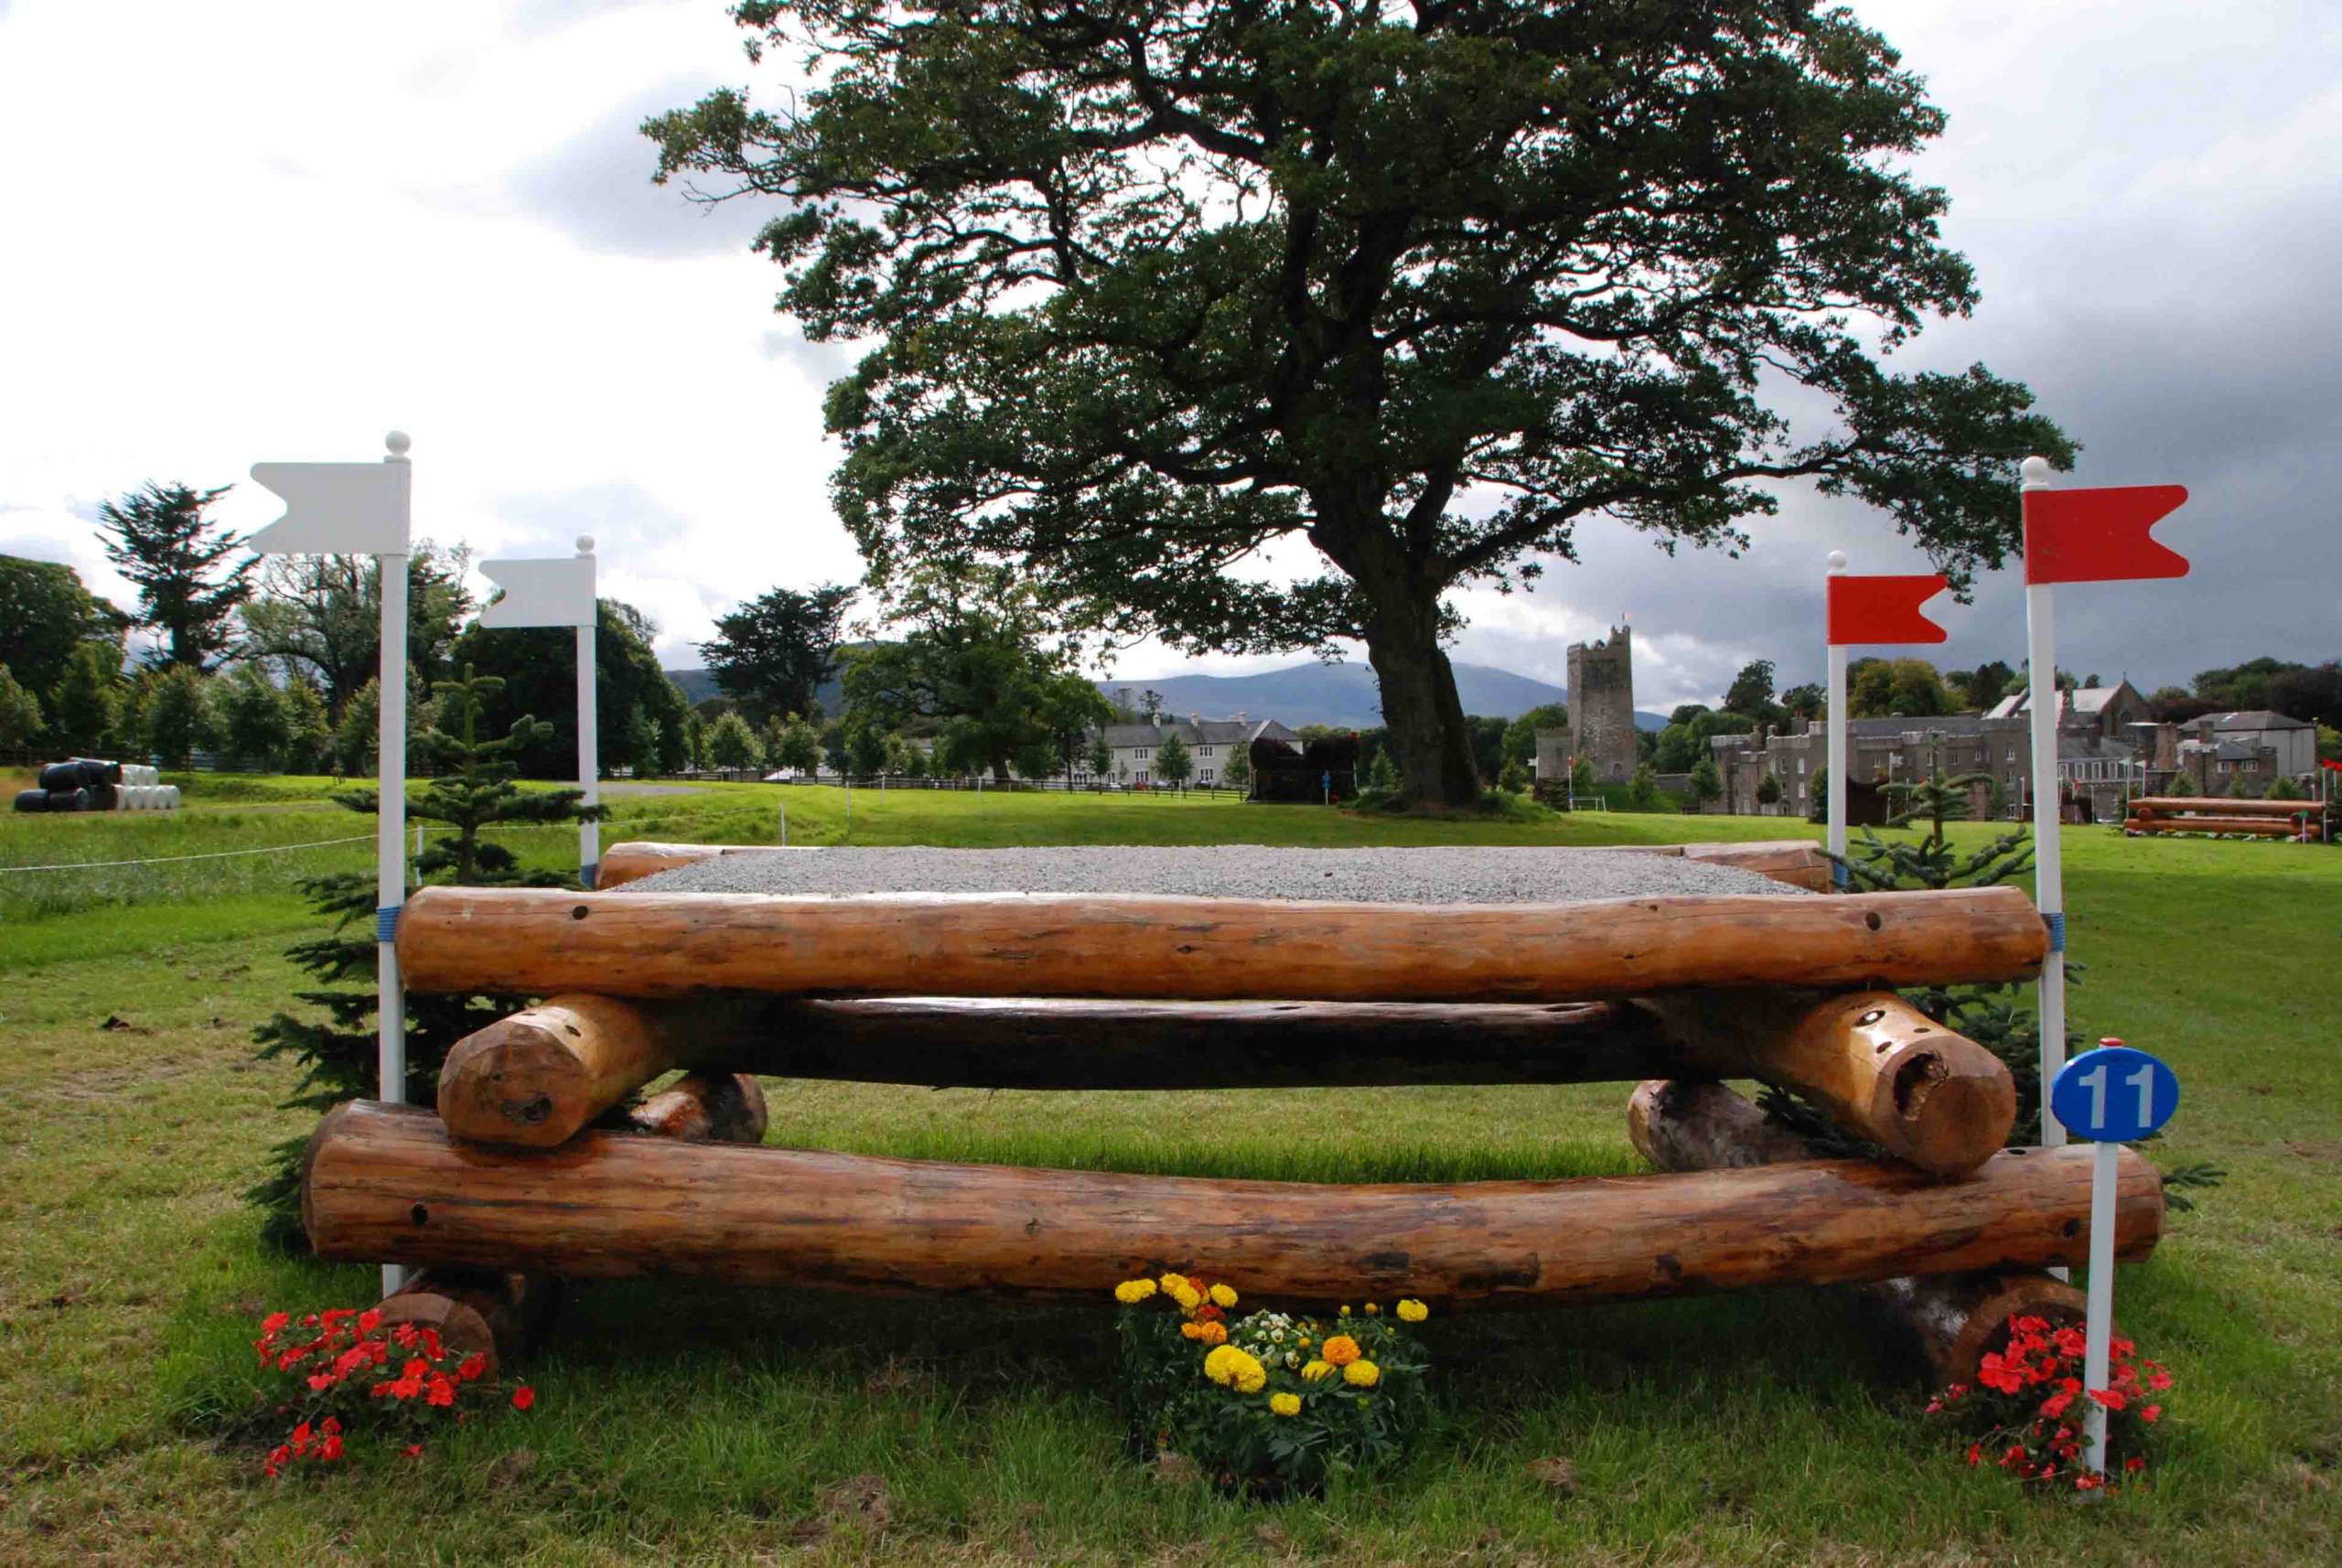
[
  {"x": 1601, "y": 707},
  {"x": 1209, "y": 742}
]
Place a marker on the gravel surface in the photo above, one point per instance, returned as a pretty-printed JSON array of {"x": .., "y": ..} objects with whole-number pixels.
[{"x": 1444, "y": 875}]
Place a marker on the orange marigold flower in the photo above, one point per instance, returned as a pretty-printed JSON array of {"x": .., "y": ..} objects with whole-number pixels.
[{"x": 1340, "y": 1350}]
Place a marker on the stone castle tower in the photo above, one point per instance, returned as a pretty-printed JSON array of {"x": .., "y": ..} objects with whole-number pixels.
[{"x": 1602, "y": 704}]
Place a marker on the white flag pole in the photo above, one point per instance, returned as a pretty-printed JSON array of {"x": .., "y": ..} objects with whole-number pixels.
[
  {"x": 589, "y": 769},
  {"x": 2044, "y": 700},
  {"x": 1836, "y": 719},
  {"x": 391, "y": 827}
]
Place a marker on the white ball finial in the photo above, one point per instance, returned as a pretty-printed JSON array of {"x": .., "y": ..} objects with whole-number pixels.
[
  {"x": 1837, "y": 561},
  {"x": 585, "y": 545},
  {"x": 2036, "y": 473},
  {"x": 397, "y": 442}
]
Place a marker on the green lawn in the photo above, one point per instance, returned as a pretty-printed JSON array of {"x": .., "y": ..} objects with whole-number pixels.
[{"x": 678, "y": 1422}]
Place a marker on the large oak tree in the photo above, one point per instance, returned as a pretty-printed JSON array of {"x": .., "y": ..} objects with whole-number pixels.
[{"x": 1152, "y": 285}]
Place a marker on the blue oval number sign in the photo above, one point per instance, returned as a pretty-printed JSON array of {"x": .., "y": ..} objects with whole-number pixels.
[{"x": 2114, "y": 1094}]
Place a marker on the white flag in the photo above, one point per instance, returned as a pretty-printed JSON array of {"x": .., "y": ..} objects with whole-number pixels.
[
  {"x": 336, "y": 508},
  {"x": 556, "y": 591}
]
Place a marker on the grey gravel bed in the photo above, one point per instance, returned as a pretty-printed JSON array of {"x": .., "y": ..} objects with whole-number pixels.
[{"x": 1443, "y": 876}]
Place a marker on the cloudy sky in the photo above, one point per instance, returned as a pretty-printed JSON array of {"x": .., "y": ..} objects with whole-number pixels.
[{"x": 274, "y": 230}]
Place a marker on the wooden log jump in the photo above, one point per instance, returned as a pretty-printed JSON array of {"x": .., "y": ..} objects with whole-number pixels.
[
  {"x": 1797, "y": 862},
  {"x": 387, "y": 1182},
  {"x": 486, "y": 1312},
  {"x": 1910, "y": 1085},
  {"x": 2182, "y": 805},
  {"x": 539, "y": 942},
  {"x": 1956, "y": 1318},
  {"x": 2244, "y": 827}
]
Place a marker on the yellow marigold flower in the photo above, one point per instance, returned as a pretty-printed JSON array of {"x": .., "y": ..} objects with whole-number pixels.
[
  {"x": 1218, "y": 1366},
  {"x": 1285, "y": 1404},
  {"x": 1130, "y": 1293},
  {"x": 1341, "y": 1350},
  {"x": 1412, "y": 1311},
  {"x": 1173, "y": 1284},
  {"x": 1250, "y": 1376},
  {"x": 1316, "y": 1370},
  {"x": 1223, "y": 1296},
  {"x": 1372, "y": 1310},
  {"x": 1346, "y": 1311},
  {"x": 1209, "y": 1333},
  {"x": 1361, "y": 1374}
]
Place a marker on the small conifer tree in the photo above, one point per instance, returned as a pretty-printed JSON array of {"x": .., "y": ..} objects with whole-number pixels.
[{"x": 476, "y": 789}]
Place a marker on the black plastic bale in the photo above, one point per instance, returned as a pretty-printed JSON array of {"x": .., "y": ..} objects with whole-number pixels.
[
  {"x": 32, "y": 799},
  {"x": 67, "y": 800}
]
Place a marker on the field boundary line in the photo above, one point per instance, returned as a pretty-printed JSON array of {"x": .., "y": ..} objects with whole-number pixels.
[{"x": 208, "y": 854}]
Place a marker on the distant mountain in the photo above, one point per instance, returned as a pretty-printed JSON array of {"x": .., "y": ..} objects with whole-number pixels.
[{"x": 1344, "y": 695}]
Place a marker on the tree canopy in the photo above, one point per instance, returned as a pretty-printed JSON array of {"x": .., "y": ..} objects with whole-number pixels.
[
  {"x": 773, "y": 652},
  {"x": 321, "y": 615},
  {"x": 985, "y": 666},
  {"x": 1155, "y": 284},
  {"x": 178, "y": 561},
  {"x": 538, "y": 671},
  {"x": 47, "y": 612}
]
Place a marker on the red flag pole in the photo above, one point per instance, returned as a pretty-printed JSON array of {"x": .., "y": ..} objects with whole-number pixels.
[
  {"x": 1837, "y": 721},
  {"x": 2049, "y": 877}
]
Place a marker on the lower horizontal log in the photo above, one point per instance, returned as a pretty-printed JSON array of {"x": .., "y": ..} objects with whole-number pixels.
[
  {"x": 636, "y": 859},
  {"x": 1955, "y": 1318},
  {"x": 387, "y": 1182},
  {"x": 495, "y": 1315},
  {"x": 1797, "y": 862}
]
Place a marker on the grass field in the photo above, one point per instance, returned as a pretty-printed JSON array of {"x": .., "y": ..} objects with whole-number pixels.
[{"x": 680, "y": 1424}]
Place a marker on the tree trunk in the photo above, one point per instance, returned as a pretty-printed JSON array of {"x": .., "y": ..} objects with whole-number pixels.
[{"x": 1424, "y": 715}]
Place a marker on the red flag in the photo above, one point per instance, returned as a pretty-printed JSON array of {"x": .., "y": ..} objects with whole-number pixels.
[
  {"x": 1884, "y": 609},
  {"x": 2329, "y": 762},
  {"x": 2100, "y": 535}
]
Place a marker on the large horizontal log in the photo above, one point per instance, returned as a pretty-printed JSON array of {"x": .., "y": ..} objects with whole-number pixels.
[
  {"x": 1796, "y": 861},
  {"x": 1885, "y": 1071},
  {"x": 1955, "y": 1318},
  {"x": 1876, "y": 1064},
  {"x": 388, "y": 1183},
  {"x": 538, "y": 941}
]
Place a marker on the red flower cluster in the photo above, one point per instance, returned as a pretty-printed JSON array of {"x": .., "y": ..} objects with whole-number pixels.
[
  {"x": 336, "y": 1363},
  {"x": 2025, "y": 1401}
]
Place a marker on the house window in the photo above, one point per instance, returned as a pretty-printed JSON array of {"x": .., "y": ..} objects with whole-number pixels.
[
  {"x": 1140, "y": 754},
  {"x": 1203, "y": 775},
  {"x": 1800, "y": 767},
  {"x": 1203, "y": 751},
  {"x": 2009, "y": 754},
  {"x": 1139, "y": 777}
]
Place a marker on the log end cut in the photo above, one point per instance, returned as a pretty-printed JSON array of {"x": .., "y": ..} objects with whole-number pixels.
[{"x": 517, "y": 1082}]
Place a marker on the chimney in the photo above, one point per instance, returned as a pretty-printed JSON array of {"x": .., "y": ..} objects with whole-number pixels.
[
  {"x": 1195, "y": 718},
  {"x": 1242, "y": 717}
]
